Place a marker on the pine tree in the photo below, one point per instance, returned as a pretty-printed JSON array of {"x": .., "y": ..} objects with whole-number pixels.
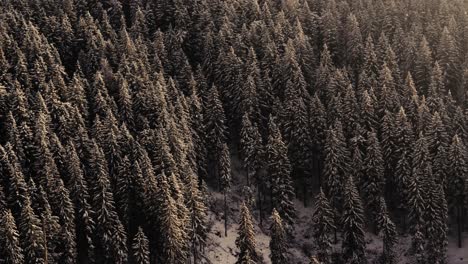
[
  {"x": 388, "y": 232},
  {"x": 323, "y": 225},
  {"x": 296, "y": 135},
  {"x": 111, "y": 233},
  {"x": 352, "y": 225},
  {"x": 438, "y": 137},
  {"x": 368, "y": 112},
  {"x": 279, "y": 170},
  {"x": 421, "y": 170},
  {"x": 435, "y": 221},
  {"x": 140, "y": 246},
  {"x": 80, "y": 196},
  {"x": 278, "y": 246},
  {"x": 198, "y": 218},
  {"x": 448, "y": 57},
  {"x": 11, "y": 250},
  {"x": 250, "y": 145},
  {"x": 171, "y": 229},
  {"x": 423, "y": 66},
  {"x": 246, "y": 238},
  {"x": 317, "y": 128},
  {"x": 374, "y": 174},
  {"x": 336, "y": 164},
  {"x": 225, "y": 179},
  {"x": 51, "y": 229},
  {"x": 31, "y": 236},
  {"x": 215, "y": 126},
  {"x": 457, "y": 175}
]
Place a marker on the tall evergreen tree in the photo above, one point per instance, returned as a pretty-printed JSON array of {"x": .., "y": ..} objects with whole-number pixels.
[
  {"x": 323, "y": 225},
  {"x": 140, "y": 247},
  {"x": 374, "y": 174},
  {"x": 11, "y": 250},
  {"x": 388, "y": 231},
  {"x": 457, "y": 175},
  {"x": 171, "y": 229},
  {"x": 279, "y": 170},
  {"x": 278, "y": 246},
  {"x": 225, "y": 179},
  {"x": 31, "y": 235},
  {"x": 198, "y": 218},
  {"x": 353, "y": 224},
  {"x": 336, "y": 164},
  {"x": 246, "y": 238},
  {"x": 111, "y": 233}
]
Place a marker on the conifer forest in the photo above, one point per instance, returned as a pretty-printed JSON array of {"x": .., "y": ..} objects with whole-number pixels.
[{"x": 233, "y": 131}]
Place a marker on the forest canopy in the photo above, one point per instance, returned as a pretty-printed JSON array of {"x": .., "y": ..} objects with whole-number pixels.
[{"x": 119, "y": 118}]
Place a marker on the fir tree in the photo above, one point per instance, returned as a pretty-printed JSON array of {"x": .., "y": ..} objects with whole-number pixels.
[
  {"x": 336, "y": 164},
  {"x": 198, "y": 218},
  {"x": 353, "y": 225},
  {"x": 457, "y": 175},
  {"x": 11, "y": 249},
  {"x": 215, "y": 125},
  {"x": 31, "y": 235},
  {"x": 423, "y": 66},
  {"x": 388, "y": 232},
  {"x": 225, "y": 180},
  {"x": 323, "y": 225},
  {"x": 246, "y": 238},
  {"x": 140, "y": 246},
  {"x": 374, "y": 173},
  {"x": 279, "y": 170},
  {"x": 250, "y": 144},
  {"x": 112, "y": 236},
  {"x": 173, "y": 236},
  {"x": 278, "y": 246}
]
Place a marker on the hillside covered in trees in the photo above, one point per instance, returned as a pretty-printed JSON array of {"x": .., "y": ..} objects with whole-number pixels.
[{"x": 120, "y": 118}]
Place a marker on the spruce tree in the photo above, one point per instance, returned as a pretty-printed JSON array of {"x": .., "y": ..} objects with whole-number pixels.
[
  {"x": 336, "y": 164},
  {"x": 323, "y": 225},
  {"x": 111, "y": 233},
  {"x": 352, "y": 225},
  {"x": 198, "y": 218},
  {"x": 457, "y": 175},
  {"x": 225, "y": 179},
  {"x": 171, "y": 229},
  {"x": 245, "y": 241},
  {"x": 79, "y": 194},
  {"x": 251, "y": 148},
  {"x": 279, "y": 169},
  {"x": 423, "y": 66},
  {"x": 215, "y": 122},
  {"x": 435, "y": 221},
  {"x": 11, "y": 250},
  {"x": 278, "y": 243},
  {"x": 388, "y": 232},
  {"x": 374, "y": 174},
  {"x": 140, "y": 247},
  {"x": 31, "y": 235}
]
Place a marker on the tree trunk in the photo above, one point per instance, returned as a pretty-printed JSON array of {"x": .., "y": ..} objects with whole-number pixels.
[
  {"x": 304, "y": 193},
  {"x": 335, "y": 230},
  {"x": 217, "y": 176},
  {"x": 319, "y": 172},
  {"x": 194, "y": 253},
  {"x": 225, "y": 214},
  {"x": 459, "y": 224},
  {"x": 260, "y": 211},
  {"x": 44, "y": 233}
]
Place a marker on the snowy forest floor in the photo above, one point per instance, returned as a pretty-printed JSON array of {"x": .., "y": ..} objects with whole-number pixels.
[{"x": 222, "y": 249}]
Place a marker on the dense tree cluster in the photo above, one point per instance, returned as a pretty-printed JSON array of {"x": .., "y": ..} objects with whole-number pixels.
[{"x": 115, "y": 115}]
